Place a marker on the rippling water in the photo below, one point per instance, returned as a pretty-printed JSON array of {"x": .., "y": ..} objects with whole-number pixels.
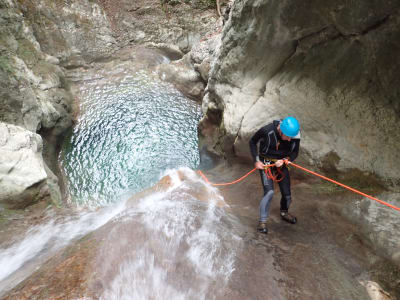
[
  {"x": 128, "y": 133},
  {"x": 175, "y": 242}
]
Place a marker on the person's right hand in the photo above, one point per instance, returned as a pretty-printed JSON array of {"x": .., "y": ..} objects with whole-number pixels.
[{"x": 259, "y": 165}]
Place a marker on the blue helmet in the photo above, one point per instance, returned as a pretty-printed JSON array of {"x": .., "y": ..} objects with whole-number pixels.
[{"x": 290, "y": 126}]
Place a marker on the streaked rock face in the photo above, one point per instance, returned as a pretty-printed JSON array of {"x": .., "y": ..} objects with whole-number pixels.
[
  {"x": 332, "y": 65},
  {"x": 38, "y": 39},
  {"x": 23, "y": 174},
  {"x": 378, "y": 223}
]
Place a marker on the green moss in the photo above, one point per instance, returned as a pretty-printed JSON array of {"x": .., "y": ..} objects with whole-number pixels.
[
  {"x": 208, "y": 3},
  {"x": 195, "y": 3},
  {"x": 8, "y": 214},
  {"x": 27, "y": 52},
  {"x": 5, "y": 64},
  {"x": 354, "y": 178}
]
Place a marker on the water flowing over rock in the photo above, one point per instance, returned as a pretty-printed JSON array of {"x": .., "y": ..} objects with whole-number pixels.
[
  {"x": 332, "y": 65},
  {"x": 157, "y": 244}
]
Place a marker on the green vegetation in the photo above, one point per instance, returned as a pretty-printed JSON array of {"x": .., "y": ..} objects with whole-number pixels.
[
  {"x": 9, "y": 214},
  {"x": 27, "y": 52},
  {"x": 5, "y": 64}
]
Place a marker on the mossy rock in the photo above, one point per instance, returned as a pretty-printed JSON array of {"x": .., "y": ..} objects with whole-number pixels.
[
  {"x": 195, "y": 3},
  {"x": 28, "y": 53},
  {"x": 5, "y": 64}
]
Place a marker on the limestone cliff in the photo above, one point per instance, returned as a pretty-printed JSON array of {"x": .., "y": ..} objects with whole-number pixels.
[
  {"x": 37, "y": 40},
  {"x": 334, "y": 65},
  {"x": 45, "y": 45}
]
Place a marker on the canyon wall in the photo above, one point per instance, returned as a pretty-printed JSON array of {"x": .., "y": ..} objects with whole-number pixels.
[
  {"x": 47, "y": 45},
  {"x": 39, "y": 40},
  {"x": 333, "y": 65}
]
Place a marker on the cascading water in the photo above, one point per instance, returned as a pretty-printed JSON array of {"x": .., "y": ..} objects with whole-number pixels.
[
  {"x": 173, "y": 243},
  {"x": 20, "y": 259}
]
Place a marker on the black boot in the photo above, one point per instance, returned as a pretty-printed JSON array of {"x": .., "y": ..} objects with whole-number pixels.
[
  {"x": 262, "y": 227},
  {"x": 288, "y": 217}
]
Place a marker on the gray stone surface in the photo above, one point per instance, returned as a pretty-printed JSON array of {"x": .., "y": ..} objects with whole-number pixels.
[
  {"x": 37, "y": 40},
  {"x": 332, "y": 65},
  {"x": 378, "y": 223},
  {"x": 22, "y": 170},
  {"x": 74, "y": 31},
  {"x": 154, "y": 21},
  {"x": 182, "y": 74},
  {"x": 190, "y": 73},
  {"x": 335, "y": 66}
]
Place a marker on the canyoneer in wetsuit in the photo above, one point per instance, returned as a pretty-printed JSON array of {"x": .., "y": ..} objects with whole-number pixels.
[{"x": 278, "y": 141}]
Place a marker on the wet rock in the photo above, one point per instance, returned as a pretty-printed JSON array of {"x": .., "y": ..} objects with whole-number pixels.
[
  {"x": 375, "y": 291},
  {"x": 154, "y": 21},
  {"x": 73, "y": 28},
  {"x": 136, "y": 245},
  {"x": 23, "y": 174},
  {"x": 32, "y": 85},
  {"x": 378, "y": 223},
  {"x": 184, "y": 77},
  {"x": 204, "y": 68},
  {"x": 190, "y": 73},
  {"x": 170, "y": 50},
  {"x": 37, "y": 39}
]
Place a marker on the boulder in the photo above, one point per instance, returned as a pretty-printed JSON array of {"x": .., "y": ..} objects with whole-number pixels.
[
  {"x": 23, "y": 173},
  {"x": 190, "y": 73},
  {"x": 182, "y": 74}
]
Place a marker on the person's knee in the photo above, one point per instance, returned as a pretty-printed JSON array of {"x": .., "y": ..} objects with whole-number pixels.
[
  {"x": 285, "y": 202},
  {"x": 269, "y": 193}
]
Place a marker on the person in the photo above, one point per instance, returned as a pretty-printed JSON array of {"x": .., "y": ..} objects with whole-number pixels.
[{"x": 279, "y": 143}]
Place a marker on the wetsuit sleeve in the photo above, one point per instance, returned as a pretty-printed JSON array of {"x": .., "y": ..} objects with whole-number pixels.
[
  {"x": 295, "y": 151},
  {"x": 253, "y": 143}
]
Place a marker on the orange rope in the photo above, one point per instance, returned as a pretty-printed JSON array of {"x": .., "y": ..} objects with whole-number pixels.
[
  {"x": 233, "y": 182},
  {"x": 346, "y": 187},
  {"x": 306, "y": 170},
  {"x": 274, "y": 178}
]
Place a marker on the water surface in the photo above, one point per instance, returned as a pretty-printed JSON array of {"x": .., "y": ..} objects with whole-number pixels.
[{"x": 129, "y": 132}]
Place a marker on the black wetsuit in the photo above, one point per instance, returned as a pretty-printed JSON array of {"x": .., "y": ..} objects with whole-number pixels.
[{"x": 273, "y": 147}]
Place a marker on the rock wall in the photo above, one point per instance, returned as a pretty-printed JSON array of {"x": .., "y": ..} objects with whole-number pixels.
[
  {"x": 334, "y": 65},
  {"x": 182, "y": 23},
  {"x": 38, "y": 40}
]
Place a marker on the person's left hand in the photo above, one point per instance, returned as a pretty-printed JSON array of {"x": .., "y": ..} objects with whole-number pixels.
[{"x": 279, "y": 163}]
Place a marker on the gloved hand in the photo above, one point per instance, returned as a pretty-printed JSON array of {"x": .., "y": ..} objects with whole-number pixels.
[{"x": 279, "y": 163}]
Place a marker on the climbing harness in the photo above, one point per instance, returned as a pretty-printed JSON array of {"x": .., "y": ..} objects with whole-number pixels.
[
  {"x": 277, "y": 177},
  {"x": 268, "y": 166},
  {"x": 275, "y": 174}
]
